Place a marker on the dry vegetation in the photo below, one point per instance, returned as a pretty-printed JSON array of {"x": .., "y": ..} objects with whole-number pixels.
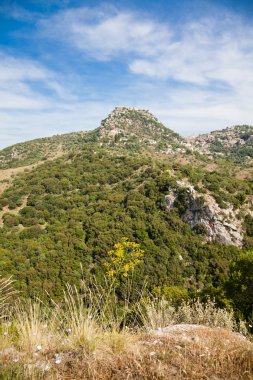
[
  {"x": 71, "y": 341},
  {"x": 7, "y": 176}
]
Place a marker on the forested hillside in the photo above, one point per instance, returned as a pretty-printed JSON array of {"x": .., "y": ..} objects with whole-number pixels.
[{"x": 59, "y": 219}]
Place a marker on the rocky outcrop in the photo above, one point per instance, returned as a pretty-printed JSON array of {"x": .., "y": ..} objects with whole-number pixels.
[
  {"x": 205, "y": 216},
  {"x": 234, "y": 142},
  {"x": 137, "y": 127}
]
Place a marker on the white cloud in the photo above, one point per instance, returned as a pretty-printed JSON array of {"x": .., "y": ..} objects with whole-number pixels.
[
  {"x": 27, "y": 84},
  {"x": 37, "y": 102},
  {"x": 105, "y": 34},
  {"x": 211, "y": 57},
  {"x": 211, "y": 49},
  {"x": 206, "y": 52},
  {"x": 61, "y": 118},
  {"x": 21, "y": 83},
  {"x": 195, "y": 77}
]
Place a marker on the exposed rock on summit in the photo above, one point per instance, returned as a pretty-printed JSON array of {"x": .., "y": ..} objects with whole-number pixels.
[{"x": 135, "y": 128}]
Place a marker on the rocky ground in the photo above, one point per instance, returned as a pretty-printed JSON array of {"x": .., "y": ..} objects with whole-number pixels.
[{"x": 192, "y": 352}]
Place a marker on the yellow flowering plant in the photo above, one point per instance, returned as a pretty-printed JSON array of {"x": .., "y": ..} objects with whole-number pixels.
[{"x": 123, "y": 258}]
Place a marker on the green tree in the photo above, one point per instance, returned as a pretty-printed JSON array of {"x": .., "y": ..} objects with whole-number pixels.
[{"x": 240, "y": 284}]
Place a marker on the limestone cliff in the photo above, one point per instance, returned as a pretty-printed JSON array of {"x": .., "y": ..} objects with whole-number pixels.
[{"x": 204, "y": 215}]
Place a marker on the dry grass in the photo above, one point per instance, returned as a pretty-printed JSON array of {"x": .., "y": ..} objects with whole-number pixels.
[
  {"x": 36, "y": 328},
  {"x": 70, "y": 341},
  {"x": 206, "y": 353},
  {"x": 159, "y": 313},
  {"x": 6, "y": 293}
]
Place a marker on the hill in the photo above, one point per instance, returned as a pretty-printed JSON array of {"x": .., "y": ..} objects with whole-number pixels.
[
  {"x": 48, "y": 148},
  {"x": 125, "y": 127},
  {"x": 131, "y": 178},
  {"x": 139, "y": 130},
  {"x": 235, "y": 143}
]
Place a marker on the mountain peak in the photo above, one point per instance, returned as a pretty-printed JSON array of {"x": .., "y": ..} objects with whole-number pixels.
[{"x": 133, "y": 127}]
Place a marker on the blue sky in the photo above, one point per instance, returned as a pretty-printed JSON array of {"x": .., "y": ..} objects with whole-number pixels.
[{"x": 64, "y": 65}]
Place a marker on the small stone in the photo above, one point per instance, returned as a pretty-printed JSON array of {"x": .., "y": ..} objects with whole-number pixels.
[
  {"x": 157, "y": 341},
  {"x": 45, "y": 367}
]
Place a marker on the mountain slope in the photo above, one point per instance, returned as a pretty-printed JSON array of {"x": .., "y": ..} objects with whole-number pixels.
[
  {"x": 235, "y": 143},
  {"x": 72, "y": 210},
  {"x": 72, "y": 207},
  {"x": 33, "y": 151},
  {"x": 124, "y": 127}
]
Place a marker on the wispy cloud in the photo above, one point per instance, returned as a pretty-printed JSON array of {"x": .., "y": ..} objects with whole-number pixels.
[
  {"x": 206, "y": 64},
  {"x": 25, "y": 83},
  {"x": 208, "y": 52},
  {"x": 37, "y": 102},
  {"x": 200, "y": 52},
  {"x": 20, "y": 83},
  {"x": 16, "y": 12},
  {"x": 195, "y": 76},
  {"x": 105, "y": 33}
]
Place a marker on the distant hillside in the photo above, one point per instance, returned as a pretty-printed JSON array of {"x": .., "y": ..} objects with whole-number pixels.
[
  {"x": 43, "y": 149},
  {"x": 138, "y": 129},
  {"x": 234, "y": 142},
  {"x": 128, "y": 128},
  {"x": 134, "y": 130}
]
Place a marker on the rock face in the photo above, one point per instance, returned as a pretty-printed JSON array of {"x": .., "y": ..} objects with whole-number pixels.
[
  {"x": 204, "y": 215},
  {"x": 135, "y": 127},
  {"x": 218, "y": 224}
]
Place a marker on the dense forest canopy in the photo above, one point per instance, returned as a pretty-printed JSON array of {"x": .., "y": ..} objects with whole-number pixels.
[{"x": 60, "y": 219}]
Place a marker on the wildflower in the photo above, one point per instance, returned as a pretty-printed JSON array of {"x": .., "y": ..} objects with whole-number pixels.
[
  {"x": 39, "y": 347},
  {"x": 69, "y": 330},
  {"x": 123, "y": 259},
  {"x": 5, "y": 333}
]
